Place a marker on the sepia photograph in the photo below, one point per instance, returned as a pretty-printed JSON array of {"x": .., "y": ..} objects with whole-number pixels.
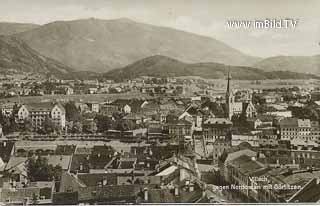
[{"x": 141, "y": 102}]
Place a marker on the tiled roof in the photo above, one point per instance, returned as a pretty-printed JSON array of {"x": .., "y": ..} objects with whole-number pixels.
[
  {"x": 43, "y": 106},
  {"x": 62, "y": 160},
  {"x": 289, "y": 122},
  {"x": 218, "y": 121},
  {"x": 5, "y": 150},
  {"x": 246, "y": 165},
  {"x": 179, "y": 122},
  {"x": 94, "y": 179}
]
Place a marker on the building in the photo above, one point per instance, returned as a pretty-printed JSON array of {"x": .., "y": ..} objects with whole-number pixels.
[
  {"x": 216, "y": 128},
  {"x": 7, "y": 109},
  {"x": 294, "y": 128},
  {"x": 37, "y": 113},
  {"x": 178, "y": 129},
  {"x": 237, "y": 108}
]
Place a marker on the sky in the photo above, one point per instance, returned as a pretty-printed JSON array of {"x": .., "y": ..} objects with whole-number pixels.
[{"x": 205, "y": 17}]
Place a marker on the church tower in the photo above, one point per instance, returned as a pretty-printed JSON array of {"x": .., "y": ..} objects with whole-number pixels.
[{"x": 229, "y": 98}]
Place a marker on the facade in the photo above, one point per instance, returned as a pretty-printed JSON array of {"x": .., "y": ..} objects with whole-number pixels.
[
  {"x": 178, "y": 129},
  {"x": 294, "y": 128},
  {"x": 38, "y": 113},
  {"x": 216, "y": 128},
  {"x": 7, "y": 109}
]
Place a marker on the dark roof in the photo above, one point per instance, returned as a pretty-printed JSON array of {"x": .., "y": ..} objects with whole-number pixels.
[
  {"x": 193, "y": 110},
  {"x": 77, "y": 160},
  {"x": 310, "y": 193},
  {"x": 179, "y": 122},
  {"x": 5, "y": 150},
  {"x": 65, "y": 149},
  {"x": 94, "y": 179},
  {"x": 289, "y": 122},
  {"x": 246, "y": 165},
  {"x": 40, "y": 106}
]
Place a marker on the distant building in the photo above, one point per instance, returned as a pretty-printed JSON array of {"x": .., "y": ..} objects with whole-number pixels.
[
  {"x": 216, "y": 128},
  {"x": 7, "y": 109},
  {"x": 178, "y": 129},
  {"x": 38, "y": 112},
  {"x": 237, "y": 108},
  {"x": 294, "y": 128}
]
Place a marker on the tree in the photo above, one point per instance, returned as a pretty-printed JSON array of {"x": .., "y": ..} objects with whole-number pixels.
[
  {"x": 34, "y": 199},
  {"x": 103, "y": 123},
  {"x": 90, "y": 126},
  {"x": 215, "y": 108},
  {"x": 48, "y": 126},
  {"x": 26, "y": 126},
  {"x": 262, "y": 109},
  {"x": 72, "y": 113},
  {"x": 9, "y": 125},
  {"x": 77, "y": 127},
  {"x": 38, "y": 169}
]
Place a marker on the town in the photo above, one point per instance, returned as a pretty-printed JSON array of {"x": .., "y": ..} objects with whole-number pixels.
[{"x": 158, "y": 140}]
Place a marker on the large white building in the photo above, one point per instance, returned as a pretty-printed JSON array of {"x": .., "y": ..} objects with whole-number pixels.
[
  {"x": 294, "y": 128},
  {"x": 38, "y": 112}
]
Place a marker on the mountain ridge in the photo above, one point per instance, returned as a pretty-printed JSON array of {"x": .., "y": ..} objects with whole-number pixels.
[
  {"x": 18, "y": 56},
  {"x": 308, "y": 64},
  {"x": 163, "y": 66},
  {"x": 11, "y": 28},
  {"x": 101, "y": 45}
]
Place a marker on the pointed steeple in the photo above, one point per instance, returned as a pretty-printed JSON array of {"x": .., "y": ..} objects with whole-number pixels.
[
  {"x": 228, "y": 85},
  {"x": 229, "y": 98}
]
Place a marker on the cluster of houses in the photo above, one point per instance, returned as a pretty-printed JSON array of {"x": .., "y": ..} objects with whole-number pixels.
[
  {"x": 262, "y": 155},
  {"x": 100, "y": 173}
]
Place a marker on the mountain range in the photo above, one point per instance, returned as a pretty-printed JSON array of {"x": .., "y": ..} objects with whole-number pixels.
[
  {"x": 101, "y": 45},
  {"x": 94, "y": 45},
  {"x": 14, "y": 28},
  {"x": 162, "y": 66},
  {"x": 307, "y": 64},
  {"x": 16, "y": 55}
]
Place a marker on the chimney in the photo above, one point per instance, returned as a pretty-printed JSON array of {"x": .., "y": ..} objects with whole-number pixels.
[
  {"x": 14, "y": 184},
  {"x": 145, "y": 192},
  {"x": 99, "y": 155},
  {"x": 187, "y": 182},
  {"x": 150, "y": 152},
  {"x": 278, "y": 162},
  {"x": 318, "y": 181},
  {"x": 148, "y": 164},
  {"x": 81, "y": 167},
  {"x": 104, "y": 181},
  {"x": 293, "y": 161},
  {"x": 191, "y": 188},
  {"x": 135, "y": 151},
  {"x": 176, "y": 191},
  {"x": 4, "y": 144}
]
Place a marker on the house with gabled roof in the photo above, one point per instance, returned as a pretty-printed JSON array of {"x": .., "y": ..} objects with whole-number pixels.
[{"x": 37, "y": 113}]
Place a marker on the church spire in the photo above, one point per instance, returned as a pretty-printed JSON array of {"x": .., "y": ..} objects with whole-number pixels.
[
  {"x": 229, "y": 78},
  {"x": 229, "y": 97}
]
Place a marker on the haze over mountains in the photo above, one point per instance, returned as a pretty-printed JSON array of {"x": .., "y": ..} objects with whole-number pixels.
[
  {"x": 96, "y": 45},
  {"x": 162, "y": 66},
  {"x": 14, "y": 28},
  {"x": 102, "y": 45},
  {"x": 307, "y": 64},
  {"x": 18, "y": 56}
]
